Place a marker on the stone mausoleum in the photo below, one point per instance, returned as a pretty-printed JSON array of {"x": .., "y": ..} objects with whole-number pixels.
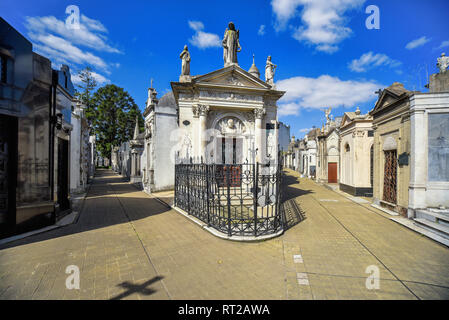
[{"x": 229, "y": 115}]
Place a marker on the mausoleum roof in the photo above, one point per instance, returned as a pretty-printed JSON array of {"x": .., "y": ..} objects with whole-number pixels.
[{"x": 167, "y": 100}]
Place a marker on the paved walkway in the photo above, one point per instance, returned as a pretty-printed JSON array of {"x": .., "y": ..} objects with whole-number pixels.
[{"x": 128, "y": 245}]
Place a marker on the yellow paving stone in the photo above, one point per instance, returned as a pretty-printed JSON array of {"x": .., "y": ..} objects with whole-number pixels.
[{"x": 337, "y": 241}]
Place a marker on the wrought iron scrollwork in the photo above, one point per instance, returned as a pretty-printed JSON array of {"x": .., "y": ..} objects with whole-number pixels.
[{"x": 236, "y": 199}]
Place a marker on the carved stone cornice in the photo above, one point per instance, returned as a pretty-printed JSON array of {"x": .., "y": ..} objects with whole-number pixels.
[
  {"x": 259, "y": 113},
  {"x": 358, "y": 133},
  {"x": 230, "y": 96}
]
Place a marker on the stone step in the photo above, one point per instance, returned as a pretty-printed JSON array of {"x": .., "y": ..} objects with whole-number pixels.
[
  {"x": 437, "y": 228},
  {"x": 441, "y": 211},
  {"x": 433, "y": 217},
  {"x": 409, "y": 223},
  {"x": 390, "y": 212}
]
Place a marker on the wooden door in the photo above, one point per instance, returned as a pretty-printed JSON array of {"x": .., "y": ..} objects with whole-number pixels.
[{"x": 332, "y": 172}]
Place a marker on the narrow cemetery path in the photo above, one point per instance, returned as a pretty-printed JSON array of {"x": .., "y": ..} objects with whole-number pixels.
[{"x": 128, "y": 245}]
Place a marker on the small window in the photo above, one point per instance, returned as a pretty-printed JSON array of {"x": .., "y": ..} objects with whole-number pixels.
[
  {"x": 371, "y": 133},
  {"x": 347, "y": 148},
  {"x": 3, "y": 69}
]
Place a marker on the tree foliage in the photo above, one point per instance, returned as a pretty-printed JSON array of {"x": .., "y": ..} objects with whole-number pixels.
[
  {"x": 85, "y": 92},
  {"x": 115, "y": 117}
]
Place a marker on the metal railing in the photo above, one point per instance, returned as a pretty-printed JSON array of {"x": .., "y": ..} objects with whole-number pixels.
[{"x": 236, "y": 199}]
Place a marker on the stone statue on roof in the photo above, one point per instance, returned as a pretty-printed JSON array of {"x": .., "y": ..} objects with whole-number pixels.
[
  {"x": 327, "y": 113},
  {"x": 231, "y": 45},
  {"x": 185, "y": 57},
  {"x": 443, "y": 63},
  {"x": 270, "y": 69}
]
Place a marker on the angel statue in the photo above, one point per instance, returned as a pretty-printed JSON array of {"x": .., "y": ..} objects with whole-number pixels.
[
  {"x": 231, "y": 45},
  {"x": 327, "y": 113}
]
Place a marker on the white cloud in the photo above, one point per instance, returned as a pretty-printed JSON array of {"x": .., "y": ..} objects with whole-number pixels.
[
  {"x": 323, "y": 92},
  {"x": 417, "y": 43},
  {"x": 370, "y": 60},
  {"x": 444, "y": 44},
  {"x": 89, "y": 34},
  {"x": 305, "y": 130},
  {"x": 324, "y": 21},
  {"x": 59, "y": 49},
  {"x": 289, "y": 109},
  {"x": 203, "y": 39},
  {"x": 261, "y": 30},
  {"x": 92, "y": 24},
  {"x": 98, "y": 77},
  {"x": 63, "y": 45},
  {"x": 284, "y": 11},
  {"x": 196, "y": 25}
]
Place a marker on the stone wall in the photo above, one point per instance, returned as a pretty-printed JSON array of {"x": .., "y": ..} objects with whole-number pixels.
[
  {"x": 429, "y": 161},
  {"x": 355, "y": 163},
  {"x": 393, "y": 126}
]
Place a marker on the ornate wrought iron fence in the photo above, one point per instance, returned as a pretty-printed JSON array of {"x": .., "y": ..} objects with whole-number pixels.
[{"x": 236, "y": 199}]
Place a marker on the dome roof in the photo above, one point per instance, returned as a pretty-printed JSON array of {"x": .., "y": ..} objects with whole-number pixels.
[
  {"x": 253, "y": 70},
  {"x": 167, "y": 100}
]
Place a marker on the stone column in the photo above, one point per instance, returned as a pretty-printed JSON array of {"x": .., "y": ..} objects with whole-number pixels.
[
  {"x": 133, "y": 163},
  {"x": 202, "y": 112},
  {"x": 196, "y": 131},
  {"x": 276, "y": 138},
  {"x": 259, "y": 114},
  {"x": 418, "y": 160}
]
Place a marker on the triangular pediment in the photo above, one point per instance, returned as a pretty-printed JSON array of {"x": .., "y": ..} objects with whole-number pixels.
[
  {"x": 231, "y": 76},
  {"x": 344, "y": 121},
  {"x": 389, "y": 96},
  {"x": 333, "y": 135}
]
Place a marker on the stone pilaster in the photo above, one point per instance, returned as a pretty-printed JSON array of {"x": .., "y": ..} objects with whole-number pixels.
[
  {"x": 202, "y": 113},
  {"x": 418, "y": 163},
  {"x": 259, "y": 114}
]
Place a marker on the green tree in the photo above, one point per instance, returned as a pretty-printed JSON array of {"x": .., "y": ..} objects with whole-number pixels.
[
  {"x": 85, "y": 92},
  {"x": 115, "y": 117}
]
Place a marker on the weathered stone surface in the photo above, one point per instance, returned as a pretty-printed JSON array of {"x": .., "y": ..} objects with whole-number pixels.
[{"x": 439, "y": 82}]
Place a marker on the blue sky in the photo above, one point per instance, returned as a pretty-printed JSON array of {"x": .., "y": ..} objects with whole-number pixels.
[{"x": 326, "y": 56}]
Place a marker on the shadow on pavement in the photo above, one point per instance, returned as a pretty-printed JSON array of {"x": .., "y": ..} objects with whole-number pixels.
[
  {"x": 137, "y": 288},
  {"x": 110, "y": 201},
  {"x": 289, "y": 190},
  {"x": 293, "y": 214}
]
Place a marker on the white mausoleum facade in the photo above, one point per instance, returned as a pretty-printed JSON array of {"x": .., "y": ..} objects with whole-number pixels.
[{"x": 227, "y": 116}]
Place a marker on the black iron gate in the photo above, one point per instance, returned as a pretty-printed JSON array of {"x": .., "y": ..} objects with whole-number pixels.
[{"x": 236, "y": 199}]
